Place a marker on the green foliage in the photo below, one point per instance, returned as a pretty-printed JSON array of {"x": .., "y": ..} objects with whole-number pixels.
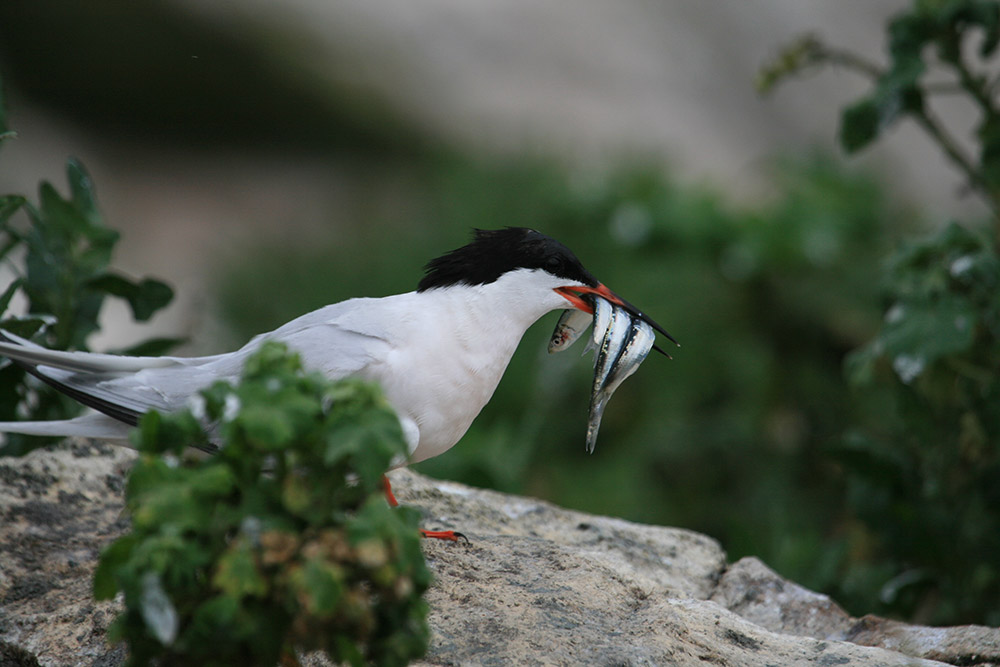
[
  {"x": 742, "y": 435},
  {"x": 61, "y": 258},
  {"x": 934, "y": 38},
  {"x": 924, "y": 483},
  {"x": 730, "y": 437},
  {"x": 281, "y": 541},
  {"x": 922, "y": 461}
]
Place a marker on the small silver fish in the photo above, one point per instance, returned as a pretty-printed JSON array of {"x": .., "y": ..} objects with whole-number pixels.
[
  {"x": 603, "y": 311},
  {"x": 611, "y": 347},
  {"x": 627, "y": 342},
  {"x": 570, "y": 327},
  {"x": 637, "y": 348}
]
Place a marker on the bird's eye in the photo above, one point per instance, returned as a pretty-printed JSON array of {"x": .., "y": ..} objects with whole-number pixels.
[{"x": 553, "y": 264}]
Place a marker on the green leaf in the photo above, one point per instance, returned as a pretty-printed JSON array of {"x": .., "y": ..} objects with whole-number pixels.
[
  {"x": 213, "y": 479},
  {"x": 320, "y": 586},
  {"x": 145, "y": 298},
  {"x": 159, "y": 433},
  {"x": 989, "y": 155},
  {"x": 12, "y": 241},
  {"x": 267, "y": 427},
  {"x": 859, "y": 125},
  {"x": 61, "y": 214},
  {"x": 917, "y": 334},
  {"x": 870, "y": 459},
  {"x": 8, "y": 294},
  {"x": 909, "y": 33},
  {"x": 113, "y": 559},
  {"x": 237, "y": 573},
  {"x": 987, "y": 16},
  {"x": 82, "y": 189},
  {"x": 9, "y": 205},
  {"x": 25, "y": 327}
]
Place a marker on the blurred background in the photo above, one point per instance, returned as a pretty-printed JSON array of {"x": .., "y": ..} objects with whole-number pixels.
[{"x": 269, "y": 158}]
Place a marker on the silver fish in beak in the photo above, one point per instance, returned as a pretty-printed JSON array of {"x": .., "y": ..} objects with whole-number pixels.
[
  {"x": 571, "y": 326},
  {"x": 622, "y": 341},
  {"x": 626, "y": 343}
]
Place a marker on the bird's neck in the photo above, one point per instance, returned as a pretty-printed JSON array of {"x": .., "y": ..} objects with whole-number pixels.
[{"x": 497, "y": 313}]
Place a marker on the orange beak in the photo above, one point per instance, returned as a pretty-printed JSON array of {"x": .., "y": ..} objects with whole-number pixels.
[{"x": 575, "y": 295}]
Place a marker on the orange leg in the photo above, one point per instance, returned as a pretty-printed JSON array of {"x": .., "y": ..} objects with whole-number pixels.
[
  {"x": 388, "y": 492},
  {"x": 449, "y": 535}
]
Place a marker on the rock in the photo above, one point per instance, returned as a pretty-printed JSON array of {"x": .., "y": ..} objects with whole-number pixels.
[
  {"x": 758, "y": 594},
  {"x": 536, "y": 585},
  {"x": 58, "y": 508},
  {"x": 761, "y": 596}
]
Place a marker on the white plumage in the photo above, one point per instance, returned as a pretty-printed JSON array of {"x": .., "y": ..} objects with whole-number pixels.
[
  {"x": 438, "y": 352},
  {"x": 438, "y": 355}
]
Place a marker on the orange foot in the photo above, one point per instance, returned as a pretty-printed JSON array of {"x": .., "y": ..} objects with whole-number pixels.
[{"x": 449, "y": 535}]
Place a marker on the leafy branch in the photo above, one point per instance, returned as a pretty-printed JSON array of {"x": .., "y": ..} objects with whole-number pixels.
[
  {"x": 935, "y": 456},
  {"x": 60, "y": 252},
  {"x": 281, "y": 542},
  {"x": 901, "y": 89}
]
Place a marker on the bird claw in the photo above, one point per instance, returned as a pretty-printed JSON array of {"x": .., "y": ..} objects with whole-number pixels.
[{"x": 449, "y": 535}]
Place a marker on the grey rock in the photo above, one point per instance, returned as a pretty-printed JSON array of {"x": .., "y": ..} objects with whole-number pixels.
[
  {"x": 58, "y": 509},
  {"x": 754, "y": 591},
  {"x": 762, "y": 596},
  {"x": 537, "y": 584}
]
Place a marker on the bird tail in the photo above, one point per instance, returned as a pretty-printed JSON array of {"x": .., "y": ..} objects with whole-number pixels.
[
  {"x": 32, "y": 354},
  {"x": 93, "y": 425},
  {"x": 75, "y": 373}
]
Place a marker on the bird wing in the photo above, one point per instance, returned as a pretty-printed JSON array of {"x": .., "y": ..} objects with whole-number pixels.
[
  {"x": 121, "y": 387},
  {"x": 339, "y": 341}
]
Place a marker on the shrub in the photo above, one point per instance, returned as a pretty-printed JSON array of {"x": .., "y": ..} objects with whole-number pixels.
[
  {"x": 922, "y": 465},
  {"x": 281, "y": 541},
  {"x": 61, "y": 259}
]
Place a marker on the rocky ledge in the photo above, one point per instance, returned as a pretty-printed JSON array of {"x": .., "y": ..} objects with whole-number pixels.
[{"x": 536, "y": 585}]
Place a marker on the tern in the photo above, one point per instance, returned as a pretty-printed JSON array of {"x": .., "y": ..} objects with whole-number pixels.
[{"x": 438, "y": 352}]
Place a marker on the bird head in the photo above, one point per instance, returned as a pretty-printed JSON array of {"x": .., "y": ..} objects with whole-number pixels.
[{"x": 549, "y": 269}]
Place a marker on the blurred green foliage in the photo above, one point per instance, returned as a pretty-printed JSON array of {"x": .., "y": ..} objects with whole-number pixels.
[
  {"x": 732, "y": 437},
  {"x": 923, "y": 477},
  {"x": 282, "y": 541},
  {"x": 878, "y": 491},
  {"x": 60, "y": 256},
  {"x": 881, "y": 491},
  {"x": 921, "y": 465}
]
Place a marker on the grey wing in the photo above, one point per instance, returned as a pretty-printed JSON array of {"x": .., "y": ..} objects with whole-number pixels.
[
  {"x": 332, "y": 340},
  {"x": 121, "y": 387},
  {"x": 340, "y": 340}
]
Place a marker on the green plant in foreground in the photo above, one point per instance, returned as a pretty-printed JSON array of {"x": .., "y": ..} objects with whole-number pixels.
[
  {"x": 922, "y": 474},
  {"x": 282, "y": 541},
  {"x": 61, "y": 260}
]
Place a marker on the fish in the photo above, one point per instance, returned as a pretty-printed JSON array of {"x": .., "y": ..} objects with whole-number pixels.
[
  {"x": 637, "y": 348},
  {"x": 615, "y": 337},
  {"x": 621, "y": 343},
  {"x": 603, "y": 311},
  {"x": 626, "y": 343},
  {"x": 568, "y": 329}
]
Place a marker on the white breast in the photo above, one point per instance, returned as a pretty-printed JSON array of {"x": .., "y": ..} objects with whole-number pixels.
[{"x": 438, "y": 355}]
